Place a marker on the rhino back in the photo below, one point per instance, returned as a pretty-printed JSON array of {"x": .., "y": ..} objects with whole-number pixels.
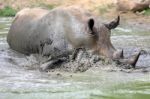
[
  {"x": 22, "y": 27},
  {"x": 66, "y": 27},
  {"x": 55, "y": 31}
]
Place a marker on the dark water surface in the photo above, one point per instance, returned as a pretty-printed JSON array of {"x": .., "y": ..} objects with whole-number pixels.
[{"x": 18, "y": 82}]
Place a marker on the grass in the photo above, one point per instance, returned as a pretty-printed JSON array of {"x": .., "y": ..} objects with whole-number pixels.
[
  {"x": 147, "y": 12},
  {"x": 47, "y": 6},
  {"x": 105, "y": 9},
  {"x": 7, "y": 11}
]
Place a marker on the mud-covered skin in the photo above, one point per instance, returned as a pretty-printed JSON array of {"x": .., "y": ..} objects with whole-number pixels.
[
  {"x": 58, "y": 32},
  {"x": 54, "y": 32}
]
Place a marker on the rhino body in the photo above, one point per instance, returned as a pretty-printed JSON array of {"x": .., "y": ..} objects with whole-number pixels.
[
  {"x": 61, "y": 30},
  {"x": 51, "y": 32}
]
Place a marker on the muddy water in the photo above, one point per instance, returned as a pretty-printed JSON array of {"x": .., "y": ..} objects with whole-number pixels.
[{"x": 19, "y": 82}]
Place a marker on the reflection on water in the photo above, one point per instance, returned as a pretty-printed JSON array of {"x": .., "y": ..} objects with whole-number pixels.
[{"x": 17, "y": 82}]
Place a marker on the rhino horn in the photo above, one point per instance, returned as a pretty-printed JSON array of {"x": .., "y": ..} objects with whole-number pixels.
[{"x": 132, "y": 60}]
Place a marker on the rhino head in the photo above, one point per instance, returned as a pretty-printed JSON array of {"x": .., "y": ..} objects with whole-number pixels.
[{"x": 103, "y": 44}]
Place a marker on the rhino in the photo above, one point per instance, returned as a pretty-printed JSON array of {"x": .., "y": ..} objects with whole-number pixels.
[{"x": 63, "y": 31}]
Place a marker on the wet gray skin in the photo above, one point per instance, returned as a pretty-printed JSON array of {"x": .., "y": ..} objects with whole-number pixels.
[
  {"x": 59, "y": 31},
  {"x": 20, "y": 78}
]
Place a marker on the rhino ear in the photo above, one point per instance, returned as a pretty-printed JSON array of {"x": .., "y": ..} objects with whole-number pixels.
[
  {"x": 113, "y": 24},
  {"x": 91, "y": 23}
]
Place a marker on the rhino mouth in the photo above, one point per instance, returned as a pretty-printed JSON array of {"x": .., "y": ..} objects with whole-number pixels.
[
  {"x": 118, "y": 56},
  {"x": 132, "y": 60}
]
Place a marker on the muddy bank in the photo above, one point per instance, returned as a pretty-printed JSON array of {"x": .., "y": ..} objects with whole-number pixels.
[{"x": 34, "y": 3}]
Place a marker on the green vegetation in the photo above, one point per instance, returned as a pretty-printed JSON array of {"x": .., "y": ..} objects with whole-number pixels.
[
  {"x": 147, "y": 11},
  {"x": 7, "y": 11},
  {"x": 47, "y": 6},
  {"x": 105, "y": 9}
]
